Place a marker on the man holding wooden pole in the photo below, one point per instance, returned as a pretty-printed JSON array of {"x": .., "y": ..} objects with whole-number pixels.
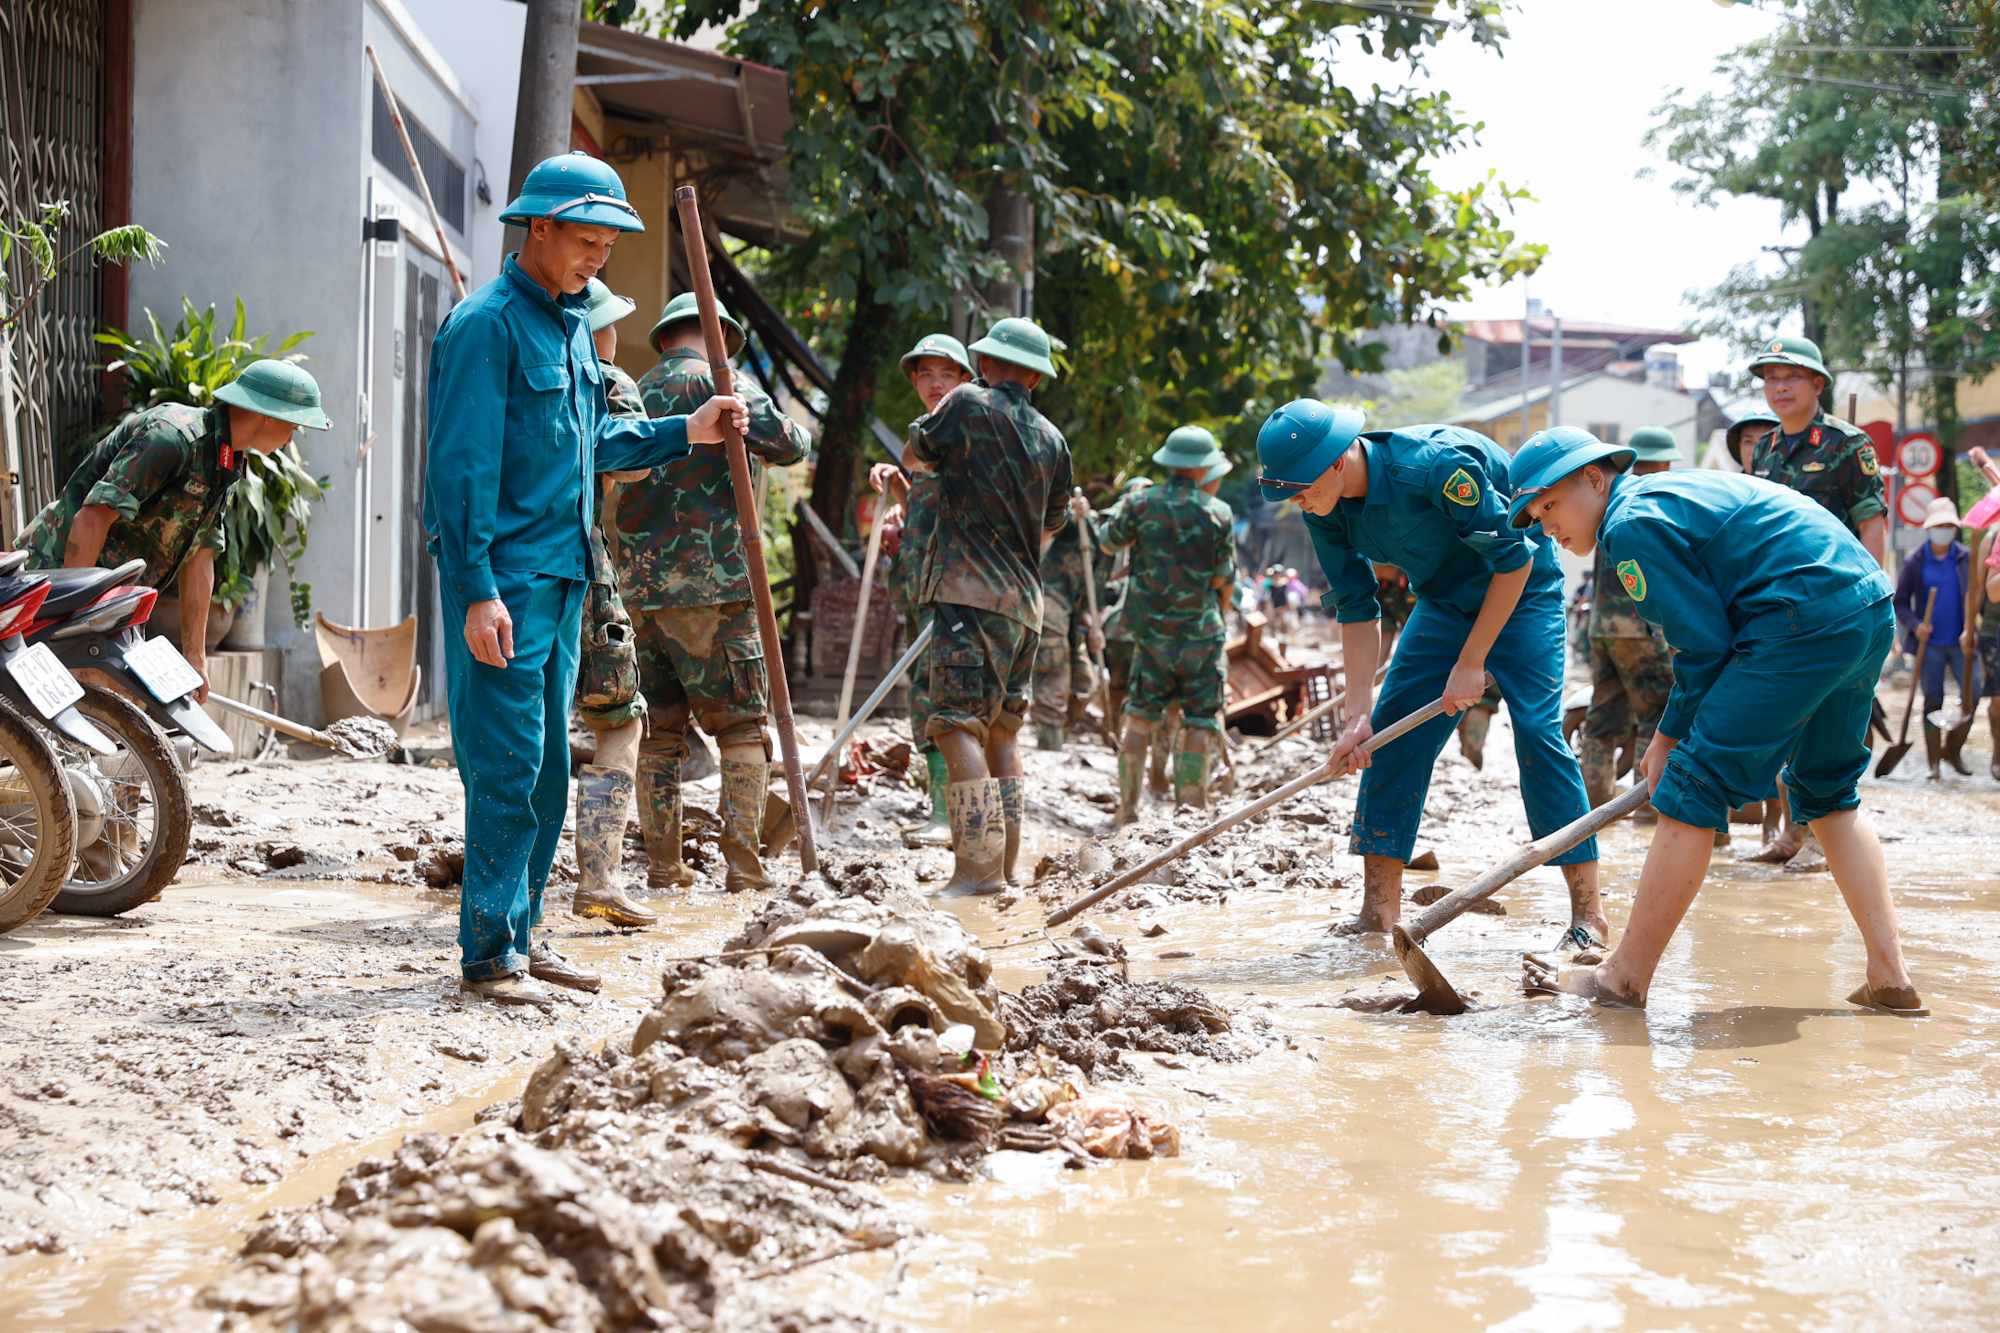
[{"x": 519, "y": 427}]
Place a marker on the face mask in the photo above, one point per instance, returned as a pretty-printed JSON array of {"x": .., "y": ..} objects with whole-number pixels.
[{"x": 1940, "y": 538}]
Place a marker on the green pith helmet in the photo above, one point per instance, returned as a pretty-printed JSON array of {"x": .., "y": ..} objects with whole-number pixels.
[
  {"x": 1548, "y": 457},
  {"x": 1018, "y": 342},
  {"x": 604, "y": 306},
  {"x": 683, "y": 308},
  {"x": 1791, "y": 352},
  {"x": 276, "y": 389},
  {"x": 938, "y": 344},
  {"x": 1136, "y": 484},
  {"x": 1655, "y": 444},
  {"x": 1734, "y": 436},
  {"x": 1188, "y": 446},
  {"x": 1218, "y": 472},
  {"x": 574, "y": 187}
]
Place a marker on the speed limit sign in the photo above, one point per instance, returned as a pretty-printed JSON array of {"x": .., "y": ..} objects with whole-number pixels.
[
  {"x": 1913, "y": 502},
  {"x": 1919, "y": 455}
]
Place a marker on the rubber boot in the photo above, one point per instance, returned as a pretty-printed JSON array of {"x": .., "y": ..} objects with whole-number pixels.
[
  {"x": 1594, "y": 757},
  {"x": 603, "y": 797},
  {"x": 936, "y": 831},
  {"x": 1165, "y": 737},
  {"x": 742, "y": 810},
  {"x": 1933, "y": 743},
  {"x": 1013, "y": 798},
  {"x": 1131, "y": 768},
  {"x": 1191, "y": 768},
  {"x": 1954, "y": 744},
  {"x": 659, "y": 791},
  {"x": 978, "y": 837},
  {"x": 1472, "y": 736},
  {"x": 1048, "y": 737}
]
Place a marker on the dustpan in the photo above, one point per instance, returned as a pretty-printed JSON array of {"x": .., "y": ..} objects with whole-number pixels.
[{"x": 368, "y": 672}]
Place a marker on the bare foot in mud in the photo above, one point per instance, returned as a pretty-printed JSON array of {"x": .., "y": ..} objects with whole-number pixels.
[
  {"x": 1381, "y": 898},
  {"x": 1781, "y": 848},
  {"x": 1361, "y": 925},
  {"x": 1547, "y": 976}
]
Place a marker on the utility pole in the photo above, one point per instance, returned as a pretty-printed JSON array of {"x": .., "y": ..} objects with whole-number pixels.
[
  {"x": 1014, "y": 241},
  {"x": 543, "y": 108},
  {"x": 1534, "y": 308},
  {"x": 1555, "y": 371}
]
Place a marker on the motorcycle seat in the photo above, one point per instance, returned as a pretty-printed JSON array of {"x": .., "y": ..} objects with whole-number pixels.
[
  {"x": 12, "y": 560},
  {"x": 73, "y": 589}
]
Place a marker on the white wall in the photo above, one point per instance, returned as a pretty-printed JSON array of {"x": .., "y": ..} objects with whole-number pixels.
[{"x": 481, "y": 40}]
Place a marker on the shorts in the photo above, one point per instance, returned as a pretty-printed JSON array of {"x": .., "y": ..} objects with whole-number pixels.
[
  {"x": 1165, "y": 674},
  {"x": 702, "y": 665},
  {"x": 981, "y": 663},
  {"x": 607, "y": 683},
  {"x": 1631, "y": 679},
  {"x": 1799, "y": 703}
]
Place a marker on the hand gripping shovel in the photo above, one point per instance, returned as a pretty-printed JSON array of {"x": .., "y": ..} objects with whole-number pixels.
[
  {"x": 1894, "y": 754},
  {"x": 1312, "y": 777},
  {"x": 1435, "y": 995}
]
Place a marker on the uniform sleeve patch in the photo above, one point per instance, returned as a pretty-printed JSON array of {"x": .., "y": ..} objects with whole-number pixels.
[
  {"x": 1633, "y": 578},
  {"x": 1461, "y": 489},
  {"x": 1865, "y": 455}
]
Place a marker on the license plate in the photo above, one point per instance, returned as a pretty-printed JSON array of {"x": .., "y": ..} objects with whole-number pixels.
[
  {"x": 46, "y": 682},
  {"x": 162, "y": 670}
]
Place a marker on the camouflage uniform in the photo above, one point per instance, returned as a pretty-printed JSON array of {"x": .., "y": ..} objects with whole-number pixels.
[
  {"x": 1830, "y": 462},
  {"x": 1004, "y": 482},
  {"x": 1062, "y": 617},
  {"x": 607, "y": 681},
  {"x": 162, "y": 471},
  {"x": 682, "y": 571},
  {"x": 1631, "y": 671},
  {"x": 1182, "y": 543},
  {"x": 906, "y": 589}
]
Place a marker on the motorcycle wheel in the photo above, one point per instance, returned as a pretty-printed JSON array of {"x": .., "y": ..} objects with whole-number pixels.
[
  {"x": 147, "y": 821},
  {"x": 37, "y": 823}
]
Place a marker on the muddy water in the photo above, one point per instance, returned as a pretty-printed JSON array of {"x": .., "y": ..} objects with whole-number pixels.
[{"x": 1750, "y": 1153}]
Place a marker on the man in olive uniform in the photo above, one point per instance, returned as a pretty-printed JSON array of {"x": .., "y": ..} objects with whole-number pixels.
[
  {"x": 1183, "y": 561},
  {"x": 1062, "y": 615},
  {"x": 684, "y": 577},
  {"x": 1631, "y": 668},
  {"x": 1830, "y": 462},
  {"x": 1004, "y": 483},
  {"x": 1745, "y": 434},
  {"x": 607, "y": 682},
  {"x": 154, "y": 488}
]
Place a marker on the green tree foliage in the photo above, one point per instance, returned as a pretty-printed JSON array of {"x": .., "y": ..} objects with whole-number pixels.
[
  {"x": 1433, "y": 392},
  {"x": 1216, "y": 209}
]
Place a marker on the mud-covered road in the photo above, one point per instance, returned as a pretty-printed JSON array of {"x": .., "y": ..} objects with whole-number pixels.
[{"x": 1751, "y": 1152}]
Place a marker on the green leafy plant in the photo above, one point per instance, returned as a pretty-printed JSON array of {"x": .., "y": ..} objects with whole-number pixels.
[
  {"x": 269, "y": 508},
  {"x": 38, "y": 237},
  {"x": 302, "y": 604}
]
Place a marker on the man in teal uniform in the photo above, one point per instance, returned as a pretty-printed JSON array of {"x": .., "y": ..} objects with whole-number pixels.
[
  {"x": 1780, "y": 619},
  {"x": 519, "y": 428},
  {"x": 1431, "y": 500}
]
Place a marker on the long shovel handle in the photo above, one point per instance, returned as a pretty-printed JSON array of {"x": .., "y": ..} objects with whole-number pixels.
[
  {"x": 1102, "y": 686},
  {"x": 294, "y": 729},
  {"x": 1311, "y": 778},
  {"x": 1917, "y": 671},
  {"x": 1317, "y": 711},
  {"x": 1449, "y": 907}
]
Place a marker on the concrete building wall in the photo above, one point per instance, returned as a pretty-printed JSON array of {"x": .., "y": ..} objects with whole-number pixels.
[{"x": 481, "y": 41}]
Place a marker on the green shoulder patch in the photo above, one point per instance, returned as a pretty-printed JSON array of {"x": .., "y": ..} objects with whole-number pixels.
[
  {"x": 1461, "y": 489},
  {"x": 1865, "y": 455},
  {"x": 1633, "y": 578}
]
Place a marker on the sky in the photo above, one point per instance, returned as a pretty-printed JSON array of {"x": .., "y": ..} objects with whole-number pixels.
[{"x": 1566, "y": 105}]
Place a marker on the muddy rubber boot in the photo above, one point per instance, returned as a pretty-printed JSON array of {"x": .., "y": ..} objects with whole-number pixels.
[
  {"x": 1191, "y": 768},
  {"x": 1048, "y": 737},
  {"x": 1472, "y": 736},
  {"x": 741, "y": 808},
  {"x": 659, "y": 795},
  {"x": 1132, "y": 774},
  {"x": 1165, "y": 736},
  {"x": 1954, "y": 744},
  {"x": 978, "y": 837},
  {"x": 1933, "y": 742},
  {"x": 603, "y": 797},
  {"x": 1594, "y": 757},
  {"x": 1013, "y": 799},
  {"x": 936, "y": 830}
]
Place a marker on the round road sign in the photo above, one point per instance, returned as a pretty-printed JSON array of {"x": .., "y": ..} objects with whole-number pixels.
[
  {"x": 1913, "y": 502},
  {"x": 1919, "y": 455}
]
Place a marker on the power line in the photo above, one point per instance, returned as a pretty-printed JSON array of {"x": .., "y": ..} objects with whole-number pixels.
[{"x": 1905, "y": 89}]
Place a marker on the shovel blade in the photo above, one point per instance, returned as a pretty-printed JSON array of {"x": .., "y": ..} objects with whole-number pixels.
[
  {"x": 1435, "y": 995},
  {"x": 1892, "y": 757}
]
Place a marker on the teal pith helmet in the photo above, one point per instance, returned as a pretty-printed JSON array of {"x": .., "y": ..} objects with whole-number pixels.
[
  {"x": 574, "y": 187},
  {"x": 1791, "y": 352},
  {"x": 1136, "y": 484},
  {"x": 1734, "y": 436},
  {"x": 1655, "y": 444},
  {"x": 938, "y": 344},
  {"x": 277, "y": 389},
  {"x": 1551, "y": 455},
  {"x": 1188, "y": 446},
  {"x": 603, "y": 306},
  {"x": 685, "y": 308},
  {"x": 1019, "y": 342},
  {"x": 1300, "y": 441},
  {"x": 1218, "y": 472}
]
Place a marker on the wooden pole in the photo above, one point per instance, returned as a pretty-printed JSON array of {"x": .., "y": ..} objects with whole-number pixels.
[
  {"x": 853, "y": 656},
  {"x": 749, "y": 520},
  {"x": 1103, "y": 690},
  {"x": 416, "y": 169}
]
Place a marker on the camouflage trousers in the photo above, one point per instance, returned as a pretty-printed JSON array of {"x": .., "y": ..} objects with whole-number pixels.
[
  {"x": 1184, "y": 673},
  {"x": 702, "y": 665},
  {"x": 1630, "y": 681},
  {"x": 914, "y": 619},
  {"x": 1062, "y": 670},
  {"x": 607, "y": 684},
  {"x": 980, "y": 665}
]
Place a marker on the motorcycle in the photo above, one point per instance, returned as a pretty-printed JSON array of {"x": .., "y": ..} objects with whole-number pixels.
[{"x": 38, "y": 813}]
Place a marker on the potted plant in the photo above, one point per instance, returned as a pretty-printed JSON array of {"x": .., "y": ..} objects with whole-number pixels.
[{"x": 268, "y": 510}]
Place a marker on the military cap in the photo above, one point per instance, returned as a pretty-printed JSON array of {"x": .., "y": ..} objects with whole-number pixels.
[
  {"x": 1019, "y": 342},
  {"x": 1655, "y": 444},
  {"x": 938, "y": 344},
  {"x": 604, "y": 306},
  {"x": 1300, "y": 441},
  {"x": 1802, "y": 352},
  {"x": 1551, "y": 455},
  {"x": 574, "y": 187},
  {"x": 277, "y": 389},
  {"x": 1218, "y": 472},
  {"x": 685, "y": 307},
  {"x": 1736, "y": 428},
  {"x": 1188, "y": 446}
]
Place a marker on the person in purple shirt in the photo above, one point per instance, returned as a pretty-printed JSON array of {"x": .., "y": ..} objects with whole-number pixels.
[{"x": 1941, "y": 564}]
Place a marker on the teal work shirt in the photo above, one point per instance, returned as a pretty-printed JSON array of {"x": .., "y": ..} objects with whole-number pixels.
[
  {"x": 1436, "y": 509},
  {"x": 518, "y": 425},
  {"x": 1719, "y": 561}
]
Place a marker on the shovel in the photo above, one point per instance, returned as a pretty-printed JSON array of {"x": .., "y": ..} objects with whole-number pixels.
[
  {"x": 297, "y": 730},
  {"x": 1894, "y": 754},
  {"x": 1312, "y": 777},
  {"x": 1435, "y": 995}
]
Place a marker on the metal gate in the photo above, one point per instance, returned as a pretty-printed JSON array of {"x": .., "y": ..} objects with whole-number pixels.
[
  {"x": 426, "y": 301},
  {"x": 53, "y": 65}
]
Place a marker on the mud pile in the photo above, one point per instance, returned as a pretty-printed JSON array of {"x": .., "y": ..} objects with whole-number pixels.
[{"x": 1089, "y": 1016}]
